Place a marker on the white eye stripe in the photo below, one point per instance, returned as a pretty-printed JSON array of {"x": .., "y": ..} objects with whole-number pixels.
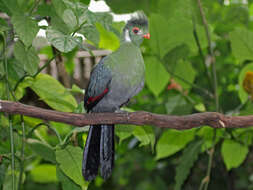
[{"x": 127, "y": 37}]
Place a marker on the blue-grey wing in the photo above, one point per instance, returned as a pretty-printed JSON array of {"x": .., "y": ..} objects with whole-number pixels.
[{"x": 98, "y": 85}]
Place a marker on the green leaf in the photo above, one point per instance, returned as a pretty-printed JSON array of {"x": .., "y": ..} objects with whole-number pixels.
[
  {"x": 70, "y": 160},
  {"x": 156, "y": 76},
  {"x": 25, "y": 27},
  {"x": 173, "y": 141},
  {"x": 27, "y": 57},
  {"x": 63, "y": 42},
  {"x": 159, "y": 32},
  {"x": 145, "y": 134},
  {"x": 242, "y": 44},
  {"x": 3, "y": 25},
  {"x": 7, "y": 184},
  {"x": 44, "y": 173},
  {"x": 124, "y": 131},
  {"x": 123, "y": 6},
  {"x": 179, "y": 8},
  {"x": 69, "y": 18},
  {"x": 66, "y": 182},
  {"x": 91, "y": 34},
  {"x": 177, "y": 105},
  {"x": 10, "y": 6},
  {"x": 42, "y": 149},
  {"x": 80, "y": 10},
  {"x": 53, "y": 93},
  {"x": 108, "y": 40},
  {"x": 207, "y": 133},
  {"x": 242, "y": 94},
  {"x": 186, "y": 71},
  {"x": 244, "y": 135},
  {"x": 190, "y": 155},
  {"x": 233, "y": 153}
]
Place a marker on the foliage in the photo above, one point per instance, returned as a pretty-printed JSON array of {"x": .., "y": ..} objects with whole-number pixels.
[{"x": 180, "y": 79}]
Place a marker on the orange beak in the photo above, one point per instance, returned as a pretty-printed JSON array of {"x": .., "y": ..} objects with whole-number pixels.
[{"x": 147, "y": 36}]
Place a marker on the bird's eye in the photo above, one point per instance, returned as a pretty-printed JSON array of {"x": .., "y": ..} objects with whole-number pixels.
[{"x": 136, "y": 30}]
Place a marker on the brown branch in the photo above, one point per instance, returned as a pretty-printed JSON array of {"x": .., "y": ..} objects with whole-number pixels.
[{"x": 213, "y": 119}]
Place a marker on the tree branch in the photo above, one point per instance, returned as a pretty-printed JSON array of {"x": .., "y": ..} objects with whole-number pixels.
[{"x": 213, "y": 119}]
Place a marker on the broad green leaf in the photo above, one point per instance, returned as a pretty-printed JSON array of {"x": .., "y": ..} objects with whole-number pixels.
[
  {"x": 156, "y": 76},
  {"x": 190, "y": 155},
  {"x": 242, "y": 94},
  {"x": 200, "y": 107},
  {"x": 186, "y": 72},
  {"x": 7, "y": 183},
  {"x": 59, "y": 7},
  {"x": 66, "y": 182},
  {"x": 77, "y": 90},
  {"x": 177, "y": 53},
  {"x": 27, "y": 57},
  {"x": 108, "y": 40},
  {"x": 124, "y": 131},
  {"x": 242, "y": 44},
  {"x": 159, "y": 35},
  {"x": 91, "y": 33},
  {"x": 25, "y": 27},
  {"x": 9, "y": 6},
  {"x": 179, "y": 8},
  {"x": 244, "y": 135},
  {"x": 173, "y": 141},
  {"x": 53, "y": 93},
  {"x": 42, "y": 149},
  {"x": 70, "y": 161},
  {"x": 177, "y": 105},
  {"x": 233, "y": 153},
  {"x": 63, "y": 42},
  {"x": 69, "y": 18},
  {"x": 123, "y": 6},
  {"x": 44, "y": 173},
  {"x": 80, "y": 10},
  {"x": 145, "y": 135}
]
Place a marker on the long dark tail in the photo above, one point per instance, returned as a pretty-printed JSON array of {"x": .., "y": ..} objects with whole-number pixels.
[
  {"x": 106, "y": 150},
  {"x": 99, "y": 150}
]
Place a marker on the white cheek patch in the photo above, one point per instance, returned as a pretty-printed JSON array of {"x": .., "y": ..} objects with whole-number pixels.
[{"x": 127, "y": 37}]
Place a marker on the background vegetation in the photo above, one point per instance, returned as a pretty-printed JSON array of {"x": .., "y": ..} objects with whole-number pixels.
[{"x": 196, "y": 61}]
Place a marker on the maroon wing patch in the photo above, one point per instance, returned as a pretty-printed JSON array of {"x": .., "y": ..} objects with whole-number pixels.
[{"x": 92, "y": 101}]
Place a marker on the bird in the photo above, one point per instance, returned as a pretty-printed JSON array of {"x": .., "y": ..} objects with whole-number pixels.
[{"x": 113, "y": 82}]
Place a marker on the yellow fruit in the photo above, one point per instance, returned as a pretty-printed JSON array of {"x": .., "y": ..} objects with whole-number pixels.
[{"x": 248, "y": 83}]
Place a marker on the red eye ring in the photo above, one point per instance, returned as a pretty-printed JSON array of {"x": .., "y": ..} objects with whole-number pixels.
[{"x": 135, "y": 30}]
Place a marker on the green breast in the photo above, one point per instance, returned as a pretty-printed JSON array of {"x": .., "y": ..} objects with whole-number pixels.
[{"x": 127, "y": 64}]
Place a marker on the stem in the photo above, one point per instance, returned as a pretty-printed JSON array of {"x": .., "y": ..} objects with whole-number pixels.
[
  {"x": 210, "y": 50},
  {"x": 22, "y": 153},
  {"x": 78, "y": 28},
  {"x": 195, "y": 34},
  {"x": 10, "y": 119},
  {"x": 12, "y": 154},
  {"x": 216, "y": 97}
]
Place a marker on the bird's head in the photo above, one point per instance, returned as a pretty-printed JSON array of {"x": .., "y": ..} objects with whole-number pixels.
[{"x": 136, "y": 29}]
